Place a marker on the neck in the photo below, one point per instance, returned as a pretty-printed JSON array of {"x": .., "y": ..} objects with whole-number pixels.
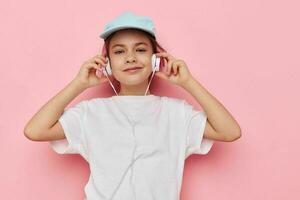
[
  {"x": 133, "y": 94},
  {"x": 134, "y": 90}
]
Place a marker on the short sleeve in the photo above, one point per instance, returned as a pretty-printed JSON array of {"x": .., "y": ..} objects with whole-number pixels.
[
  {"x": 72, "y": 121},
  {"x": 195, "y": 126}
]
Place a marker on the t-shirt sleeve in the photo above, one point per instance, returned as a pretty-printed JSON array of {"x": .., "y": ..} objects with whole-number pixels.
[
  {"x": 72, "y": 121},
  {"x": 195, "y": 126}
]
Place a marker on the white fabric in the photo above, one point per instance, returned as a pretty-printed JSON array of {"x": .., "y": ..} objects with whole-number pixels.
[{"x": 139, "y": 155}]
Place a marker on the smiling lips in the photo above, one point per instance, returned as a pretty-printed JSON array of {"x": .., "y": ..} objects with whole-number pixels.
[{"x": 132, "y": 68}]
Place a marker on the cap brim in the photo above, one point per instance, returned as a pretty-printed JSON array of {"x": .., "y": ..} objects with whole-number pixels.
[{"x": 106, "y": 34}]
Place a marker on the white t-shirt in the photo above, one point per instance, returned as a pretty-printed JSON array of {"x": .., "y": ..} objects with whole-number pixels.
[{"x": 144, "y": 160}]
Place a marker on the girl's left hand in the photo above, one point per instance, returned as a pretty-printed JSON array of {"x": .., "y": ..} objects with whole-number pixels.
[{"x": 176, "y": 70}]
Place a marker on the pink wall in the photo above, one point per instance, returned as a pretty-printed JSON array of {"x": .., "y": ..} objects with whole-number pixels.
[{"x": 246, "y": 53}]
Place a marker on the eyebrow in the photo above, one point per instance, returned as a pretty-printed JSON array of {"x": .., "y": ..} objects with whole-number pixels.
[{"x": 136, "y": 44}]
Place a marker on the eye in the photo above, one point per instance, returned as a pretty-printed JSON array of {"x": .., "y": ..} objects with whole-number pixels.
[
  {"x": 120, "y": 51},
  {"x": 117, "y": 52}
]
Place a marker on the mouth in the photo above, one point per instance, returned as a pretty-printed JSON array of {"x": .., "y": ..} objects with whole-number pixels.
[{"x": 132, "y": 69}]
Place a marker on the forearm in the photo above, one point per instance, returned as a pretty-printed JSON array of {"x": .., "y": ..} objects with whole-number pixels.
[
  {"x": 49, "y": 113},
  {"x": 220, "y": 119}
]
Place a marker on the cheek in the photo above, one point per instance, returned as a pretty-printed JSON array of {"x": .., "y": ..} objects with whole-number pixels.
[
  {"x": 116, "y": 63},
  {"x": 146, "y": 60}
]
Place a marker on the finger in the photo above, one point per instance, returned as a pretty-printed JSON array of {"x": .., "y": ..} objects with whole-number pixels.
[
  {"x": 169, "y": 59},
  {"x": 101, "y": 57},
  {"x": 91, "y": 66},
  {"x": 175, "y": 69},
  {"x": 93, "y": 59},
  {"x": 165, "y": 55},
  {"x": 100, "y": 61},
  {"x": 170, "y": 63},
  {"x": 176, "y": 66},
  {"x": 161, "y": 75}
]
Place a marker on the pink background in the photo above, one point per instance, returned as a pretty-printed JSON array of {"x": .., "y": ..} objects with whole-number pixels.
[{"x": 246, "y": 53}]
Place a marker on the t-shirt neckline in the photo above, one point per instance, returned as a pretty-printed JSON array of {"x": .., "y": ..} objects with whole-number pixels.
[
  {"x": 135, "y": 97},
  {"x": 144, "y": 99}
]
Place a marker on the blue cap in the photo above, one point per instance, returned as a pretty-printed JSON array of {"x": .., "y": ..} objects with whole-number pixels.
[{"x": 128, "y": 20}]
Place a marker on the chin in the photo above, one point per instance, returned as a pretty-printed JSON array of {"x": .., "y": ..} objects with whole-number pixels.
[{"x": 133, "y": 79}]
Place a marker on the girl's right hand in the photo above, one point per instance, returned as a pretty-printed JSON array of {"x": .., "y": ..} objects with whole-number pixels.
[{"x": 87, "y": 73}]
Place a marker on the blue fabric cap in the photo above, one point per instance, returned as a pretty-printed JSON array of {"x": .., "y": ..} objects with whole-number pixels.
[{"x": 128, "y": 20}]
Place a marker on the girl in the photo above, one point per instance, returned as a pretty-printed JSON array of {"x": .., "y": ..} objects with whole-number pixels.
[{"x": 135, "y": 142}]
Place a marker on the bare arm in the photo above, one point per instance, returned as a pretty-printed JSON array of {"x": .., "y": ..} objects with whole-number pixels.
[
  {"x": 44, "y": 125},
  {"x": 220, "y": 125},
  {"x": 48, "y": 114}
]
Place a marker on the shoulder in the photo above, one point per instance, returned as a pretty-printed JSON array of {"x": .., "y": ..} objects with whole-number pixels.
[
  {"x": 175, "y": 105},
  {"x": 96, "y": 100},
  {"x": 180, "y": 106},
  {"x": 173, "y": 101}
]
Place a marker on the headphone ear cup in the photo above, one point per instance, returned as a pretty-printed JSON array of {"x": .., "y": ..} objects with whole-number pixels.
[
  {"x": 157, "y": 64},
  {"x": 107, "y": 69},
  {"x": 155, "y": 61}
]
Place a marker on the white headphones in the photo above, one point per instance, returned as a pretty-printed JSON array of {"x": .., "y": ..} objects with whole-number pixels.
[{"x": 154, "y": 60}]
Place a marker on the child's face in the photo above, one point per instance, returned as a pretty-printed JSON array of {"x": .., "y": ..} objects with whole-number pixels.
[{"x": 130, "y": 54}]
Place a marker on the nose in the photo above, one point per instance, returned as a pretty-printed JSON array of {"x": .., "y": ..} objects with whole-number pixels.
[{"x": 130, "y": 58}]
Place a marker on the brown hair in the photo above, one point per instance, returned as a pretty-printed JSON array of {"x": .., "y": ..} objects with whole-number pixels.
[{"x": 156, "y": 47}]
